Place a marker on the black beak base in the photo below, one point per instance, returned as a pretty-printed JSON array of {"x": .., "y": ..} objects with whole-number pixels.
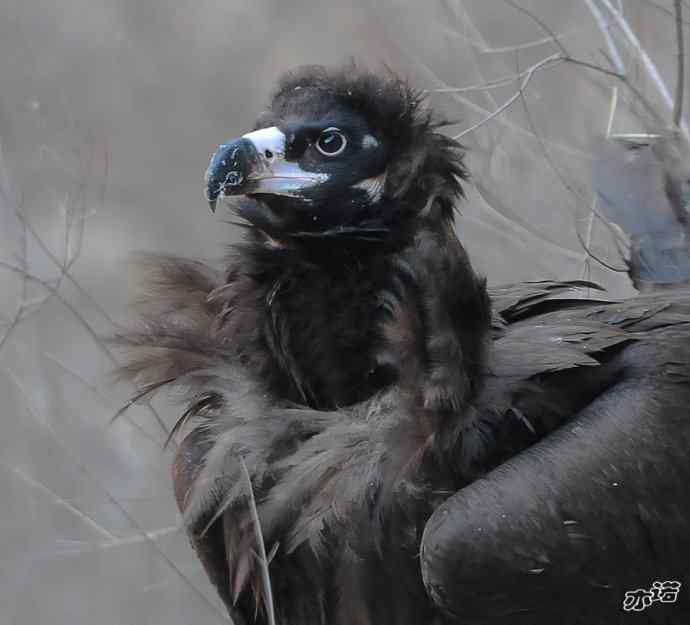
[{"x": 229, "y": 170}]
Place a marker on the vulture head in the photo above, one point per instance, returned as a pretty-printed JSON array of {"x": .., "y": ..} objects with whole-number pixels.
[{"x": 339, "y": 154}]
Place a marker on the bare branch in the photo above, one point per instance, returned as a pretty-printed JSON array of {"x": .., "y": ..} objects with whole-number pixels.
[
  {"x": 591, "y": 254},
  {"x": 431, "y": 75},
  {"x": 554, "y": 38},
  {"x": 80, "y": 318},
  {"x": 586, "y": 269},
  {"x": 561, "y": 177},
  {"x": 553, "y": 59},
  {"x": 482, "y": 48},
  {"x": 484, "y": 86},
  {"x": 663, "y": 9},
  {"x": 612, "y": 111},
  {"x": 12, "y": 325},
  {"x": 141, "y": 536},
  {"x": 632, "y": 88},
  {"x": 647, "y": 62},
  {"x": 616, "y": 59},
  {"x": 528, "y": 73},
  {"x": 643, "y": 137},
  {"x": 569, "y": 59},
  {"x": 680, "y": 67},
  {"x": 64, "y": 267}
]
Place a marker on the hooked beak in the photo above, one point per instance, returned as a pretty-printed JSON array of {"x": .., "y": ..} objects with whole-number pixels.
[{"x": 255, "y": 163}]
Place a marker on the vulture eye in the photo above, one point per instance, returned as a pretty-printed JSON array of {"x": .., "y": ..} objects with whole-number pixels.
[{"x": 331, "y": 142}]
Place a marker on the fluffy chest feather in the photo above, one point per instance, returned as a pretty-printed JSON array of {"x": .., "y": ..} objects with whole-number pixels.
[{"x": 310, "y": 332}]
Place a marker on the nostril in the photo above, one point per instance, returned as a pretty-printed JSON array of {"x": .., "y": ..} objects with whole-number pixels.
[{"x": 268, "y": 154}]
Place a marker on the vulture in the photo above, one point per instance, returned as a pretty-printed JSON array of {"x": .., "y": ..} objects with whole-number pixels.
[{"x": 372, "y": 435}]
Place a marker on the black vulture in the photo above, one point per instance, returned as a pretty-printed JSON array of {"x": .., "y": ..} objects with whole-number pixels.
[{"x": 377, "y": 433}]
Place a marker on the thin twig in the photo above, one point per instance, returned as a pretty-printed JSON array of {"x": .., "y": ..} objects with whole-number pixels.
[
  {"x": 468, "y": 23},
  {"x": 93, "y": 389},
  {"x": 612, "y": 111},
  {"x": 472, "y": 106},
  {"x": 647, "y": 62},
  {"x": 484, "y": 49},
  {"x": 571, "y": 189},
  {"x": 6, "y": 198},
  {"x": 403, "y": 52},
  {"x": 623, "y": 79},
  {"x": 535, "y": 18},
  {"x": 680, "y": 67},
  {"x": 16, "y": 318},
  {"x": 483, "y": 86},
  {"x": 644, "y": 137},
  {"x": 65, "y": 273},
  {"x": 617, "y": 61},
  {"x": 79, "y": 317},
  {"x": 665, "y": 10},
  {"x": 64, "y": 267},
  {"x": 480, "y": 86},
  {"x": 586, "y": 269},
  {"x": 554, "y": 58},
  {"x": 145, "y": 537},
  {"x": 591, "y": 254},
  {"x": 569, "y": 59}
]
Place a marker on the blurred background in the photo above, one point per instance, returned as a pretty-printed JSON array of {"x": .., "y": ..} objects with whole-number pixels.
[{"x": 109, "y": 110}]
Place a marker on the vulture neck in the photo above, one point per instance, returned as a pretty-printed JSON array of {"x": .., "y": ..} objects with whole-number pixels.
[{"x": 324, "y": 303}]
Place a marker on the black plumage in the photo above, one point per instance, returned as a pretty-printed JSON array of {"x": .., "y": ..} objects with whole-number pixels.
[{"x": 352, "y": 361}]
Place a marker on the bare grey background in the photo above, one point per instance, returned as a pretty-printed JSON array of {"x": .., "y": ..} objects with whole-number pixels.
[{"x": 108, "y": 113}]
